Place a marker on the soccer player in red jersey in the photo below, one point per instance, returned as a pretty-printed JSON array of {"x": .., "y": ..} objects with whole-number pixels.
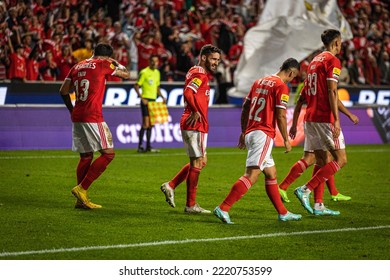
[
  {"x": 322, "y": 123},
  {"x": 194, "y": 127},
  {"x": 90, "y": 132},
  {"x": 308, "y": 159},
  {"x": 264, "y": 106}
]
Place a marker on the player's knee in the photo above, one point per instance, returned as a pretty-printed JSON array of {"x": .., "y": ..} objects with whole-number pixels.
[{"x": 342, "y": 162}]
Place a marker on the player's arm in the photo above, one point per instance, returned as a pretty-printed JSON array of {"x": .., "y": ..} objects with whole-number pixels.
[
  {"x": 244, "y": 122},
  {"x": 65, "y": 89},
  {"x": 333, "y": 101},
  {"x": 190, "y": 98},
  {"x": 297, "y": 111},
  {"x": 281, "y": 120},
  {"x": 120, "y": 70},
  {"x": 346, "y": 112}
]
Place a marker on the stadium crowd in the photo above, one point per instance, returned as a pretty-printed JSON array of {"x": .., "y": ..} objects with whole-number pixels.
[{"x": 41, "y": 39}]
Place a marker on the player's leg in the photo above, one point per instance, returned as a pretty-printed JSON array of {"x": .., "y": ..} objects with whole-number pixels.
[
  {"x": 272, "y": 190},
  {"x": 182, "y": 174},
  {"x": 97, "y": 137},
  {"x": 144, "y": 127},
  {"x": 295, "y": 172},
  {"x": 196, "y": 165},
  {"x": 238, "y": 190},
  {"x": 83, "y": 165},
  {"x": 330, "y": 183}
]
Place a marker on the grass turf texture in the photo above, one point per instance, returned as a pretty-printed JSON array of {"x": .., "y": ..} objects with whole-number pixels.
[{"x": 37, "y": 209}]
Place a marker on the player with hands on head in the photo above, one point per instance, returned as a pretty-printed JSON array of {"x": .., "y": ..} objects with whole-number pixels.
[{"x": 90, "y": 132}]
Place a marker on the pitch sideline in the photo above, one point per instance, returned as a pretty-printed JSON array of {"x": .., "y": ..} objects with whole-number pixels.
[{"x": 176, "y": 242}]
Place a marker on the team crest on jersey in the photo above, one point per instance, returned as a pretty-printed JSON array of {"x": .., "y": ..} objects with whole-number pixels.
[
  {"x": 336, "y": 73},
  {"x": 196, "y": 83},
  {"x": 112, "y": 66},
  {"x": 284, "y": 98}
]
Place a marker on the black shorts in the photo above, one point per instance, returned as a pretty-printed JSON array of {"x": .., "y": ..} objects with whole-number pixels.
[{"x": 144, "y": 108}]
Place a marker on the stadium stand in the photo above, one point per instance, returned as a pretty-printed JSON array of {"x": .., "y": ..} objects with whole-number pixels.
[{"x": 48, "y": 37}]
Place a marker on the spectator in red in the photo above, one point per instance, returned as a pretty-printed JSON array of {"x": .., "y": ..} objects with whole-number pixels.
[
  {"x": 37, "y": 29},
  {"x": 145, "y": 50},
  {"x": 4, "y": 61},
  {"x": 48, "y": 67},
  {"x": 360, "y": 40},
  {"x": 72, "y": 38},
  {"x": 27, "y": 43},
  {"x": 120, "y": 38},
  {"x": 17, "y": 69},
  {"x": 65, "y": 62},
  {"x": 185, "y": 60},
  {"x": 32, "y": 65},
  {"x": 235, "y": 52},
  {"x": 121, "y": 55}
]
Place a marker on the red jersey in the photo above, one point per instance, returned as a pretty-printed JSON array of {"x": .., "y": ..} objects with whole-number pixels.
[
  {"x": 322, "y": 68},
  {"x": 89, "y": 80},
  {"x": 197, "y": 82},
  {"x": 265, "y": 96},
  {"x": 32, "y": 70},
  {"x": 17, "y": 68}
]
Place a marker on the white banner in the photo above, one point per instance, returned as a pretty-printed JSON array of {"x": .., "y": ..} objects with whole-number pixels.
[{"x": 285, "y": 29}]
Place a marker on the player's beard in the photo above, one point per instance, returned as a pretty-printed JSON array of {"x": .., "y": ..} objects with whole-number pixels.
[{"x": 208, "y": 66}]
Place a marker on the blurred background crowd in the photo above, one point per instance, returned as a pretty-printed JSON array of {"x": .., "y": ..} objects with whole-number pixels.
[{"x": 41, "y": 40}]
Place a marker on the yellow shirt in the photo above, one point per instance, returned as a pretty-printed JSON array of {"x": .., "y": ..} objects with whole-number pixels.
[{"x": 149, "y": 81}]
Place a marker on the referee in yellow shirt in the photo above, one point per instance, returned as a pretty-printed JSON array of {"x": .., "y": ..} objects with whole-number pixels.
[{"x": 149, "y": 82}]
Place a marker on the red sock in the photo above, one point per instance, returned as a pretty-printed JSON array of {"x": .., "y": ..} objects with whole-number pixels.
[
  {"x": 324, "y": 173},
  {"x": 82, "y": 167},
  {"x": 240, "y": 187},
  {"x": 271, "y": 187},
  {"x": 318, "y": 192},
  {"x": 296, "y": 170},
  {"x": 332, "y": 186},
  {"x": 96, "y": 169},
  {"x": 180, "y": 176},
  {"x": 192, "y": 184}
]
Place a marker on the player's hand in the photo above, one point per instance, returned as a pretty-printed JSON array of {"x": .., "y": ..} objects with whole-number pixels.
[
  {"x": 287, "y": 145},
  {"x": 241, "y": 142},
  {"x": 144, "y": 101},
  {"x": 336, "y": 129},
  {"x": 354, "y": 119},
  {"x": 293, "y": 132},
  {"x": 164, "y": 99},
  {"x": 193, "y": 119}
]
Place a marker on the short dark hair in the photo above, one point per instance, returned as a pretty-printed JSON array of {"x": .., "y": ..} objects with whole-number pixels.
[
  {"x": 329, "y": 35},
  {"x": 289, "y": 63},
  {"x": 103, "y": 50},
  {"x": 153, "y": 55},
  {"x": 209, "y": 49}
]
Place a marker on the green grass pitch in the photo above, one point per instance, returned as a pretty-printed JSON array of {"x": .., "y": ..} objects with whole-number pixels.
[{"x": 38, "y": 219}]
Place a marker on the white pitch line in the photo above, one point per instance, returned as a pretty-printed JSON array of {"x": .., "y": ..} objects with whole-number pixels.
[{"x": 176, "y": 242}]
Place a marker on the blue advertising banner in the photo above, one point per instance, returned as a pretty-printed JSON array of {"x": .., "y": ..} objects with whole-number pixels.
[
  {"x": 117, "y": 94},
  {"x": 123, "y": 94}
]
